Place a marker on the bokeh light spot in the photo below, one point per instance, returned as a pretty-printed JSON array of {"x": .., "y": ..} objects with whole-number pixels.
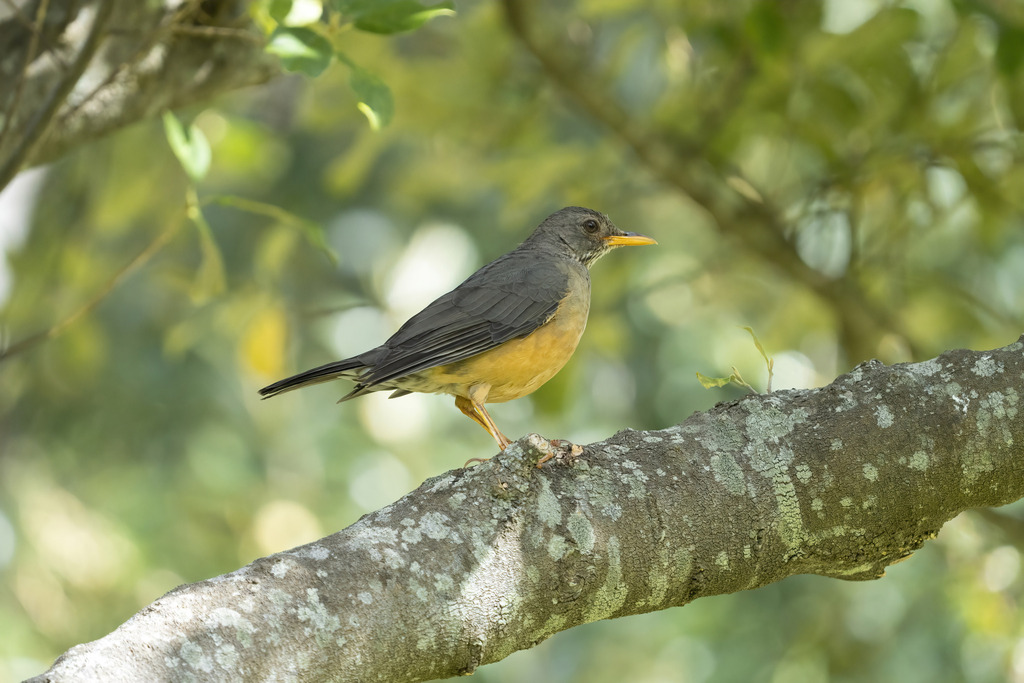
[{"x": 283, "y": 524}]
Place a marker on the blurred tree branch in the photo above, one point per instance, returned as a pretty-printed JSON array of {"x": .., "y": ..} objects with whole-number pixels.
[
  {"x": 689, "y": 165},
  {"x": 84, "y": 69},
  {"x": 478, "y": 563},
  {"x": 138, "y": 261}
]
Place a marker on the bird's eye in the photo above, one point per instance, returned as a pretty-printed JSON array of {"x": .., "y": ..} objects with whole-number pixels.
[{"x": 590, "y": 225}]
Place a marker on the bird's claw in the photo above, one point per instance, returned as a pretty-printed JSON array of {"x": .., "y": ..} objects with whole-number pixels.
[{"x": 561, "y": 450}]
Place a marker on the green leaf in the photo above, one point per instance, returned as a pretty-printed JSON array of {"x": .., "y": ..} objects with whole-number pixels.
[
  {"x": 713, "y": 382},
  {"x": 191, "y": 147},
  {"x": 391, "y": 16},
  {"x": 279, "y": 9},
  {"x": 375, "y": 98},
  {"x": 314, "y": 232},
  {"x": 301, "y": 49},
  {"x": 770, "y": 362},
  {"x": 757, "y": 343}
]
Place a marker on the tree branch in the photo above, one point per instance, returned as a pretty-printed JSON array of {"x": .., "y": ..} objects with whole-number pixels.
[
  {"x": 170, "y": 54},
  {"x": 37, "y": 126},
  {"x": 478, "y": 563}
]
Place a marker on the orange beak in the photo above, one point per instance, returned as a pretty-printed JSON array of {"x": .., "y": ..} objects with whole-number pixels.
[{"x": 629, "y": 239}]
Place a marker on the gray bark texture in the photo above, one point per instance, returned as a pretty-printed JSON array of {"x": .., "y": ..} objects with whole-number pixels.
[
  {"x": 478, "y": 563},
  {"x": 73, "y": 70}
]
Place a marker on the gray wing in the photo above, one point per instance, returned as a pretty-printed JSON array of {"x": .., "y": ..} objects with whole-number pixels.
[{"x": 506, "y": 299}]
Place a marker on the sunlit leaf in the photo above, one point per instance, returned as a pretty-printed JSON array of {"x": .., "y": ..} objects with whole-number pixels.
[
  {"x": 375, "y": 98},
  {"x": 713, "y": 382},
  {"x": 769, "y": 362},
  {"x": 301, "y": 49},
  {"x": 191, "y": 147},
  {"x": 304, "y": 13},
  {"x": 390, "y": 16},
  {"x": 757, "y": 343}
]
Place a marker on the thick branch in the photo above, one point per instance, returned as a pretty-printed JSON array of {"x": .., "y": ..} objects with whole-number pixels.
[
  {"x": 478, "y": 563},
  {"x": 149, "y": 56}
]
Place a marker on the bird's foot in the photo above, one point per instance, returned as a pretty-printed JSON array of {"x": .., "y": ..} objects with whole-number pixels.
[
  {"x": 562, "y": 450},
  {"x": 472, "y": 460}
]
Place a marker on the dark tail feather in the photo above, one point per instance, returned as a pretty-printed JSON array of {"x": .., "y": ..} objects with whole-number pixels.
[{"x": 324, "y": 373}]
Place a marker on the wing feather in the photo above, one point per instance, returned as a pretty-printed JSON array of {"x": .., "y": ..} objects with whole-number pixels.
[{"x": 506, "y": 299}]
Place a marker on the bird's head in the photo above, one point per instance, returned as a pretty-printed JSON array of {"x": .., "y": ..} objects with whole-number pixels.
[{"x": 585, "y": 234}]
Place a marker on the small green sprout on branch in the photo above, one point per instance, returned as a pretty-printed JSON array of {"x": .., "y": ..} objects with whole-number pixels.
[{"x": 735, "y": 377}]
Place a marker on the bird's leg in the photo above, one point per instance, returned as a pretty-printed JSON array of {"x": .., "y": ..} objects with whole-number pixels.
[
  {"x": 503, "y": 441},
  {"x": 478, "y": 396},
  {"x": 466, "y": 406},
  {"x": 475, "y": 411}
]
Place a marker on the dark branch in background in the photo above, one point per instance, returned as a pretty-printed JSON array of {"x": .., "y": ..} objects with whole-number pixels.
[
  {"x": 478, "y": 563},
  {"x": 141, "y": 259},
  {"x": 30, "y": 54},
  {"x": 683, "y": 164},
  {"x": 145, "y": 56}
]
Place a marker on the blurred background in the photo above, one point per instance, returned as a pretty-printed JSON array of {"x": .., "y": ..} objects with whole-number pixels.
[{"x": 843, "y": 176}]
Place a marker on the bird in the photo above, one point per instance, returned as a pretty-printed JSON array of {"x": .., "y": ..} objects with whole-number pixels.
[{"x": 498, "y": 336}]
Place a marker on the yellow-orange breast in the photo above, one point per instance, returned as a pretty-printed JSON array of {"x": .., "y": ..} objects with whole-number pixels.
[{"x": 517, "y": 367}]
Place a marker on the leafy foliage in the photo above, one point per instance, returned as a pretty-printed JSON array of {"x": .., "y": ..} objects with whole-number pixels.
[
  {"x": 191, "y": 147},
  {"x": 390, "y": 16},
  {"x": 309, "y": 50},
  {"x": 301, "y": 49}
]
